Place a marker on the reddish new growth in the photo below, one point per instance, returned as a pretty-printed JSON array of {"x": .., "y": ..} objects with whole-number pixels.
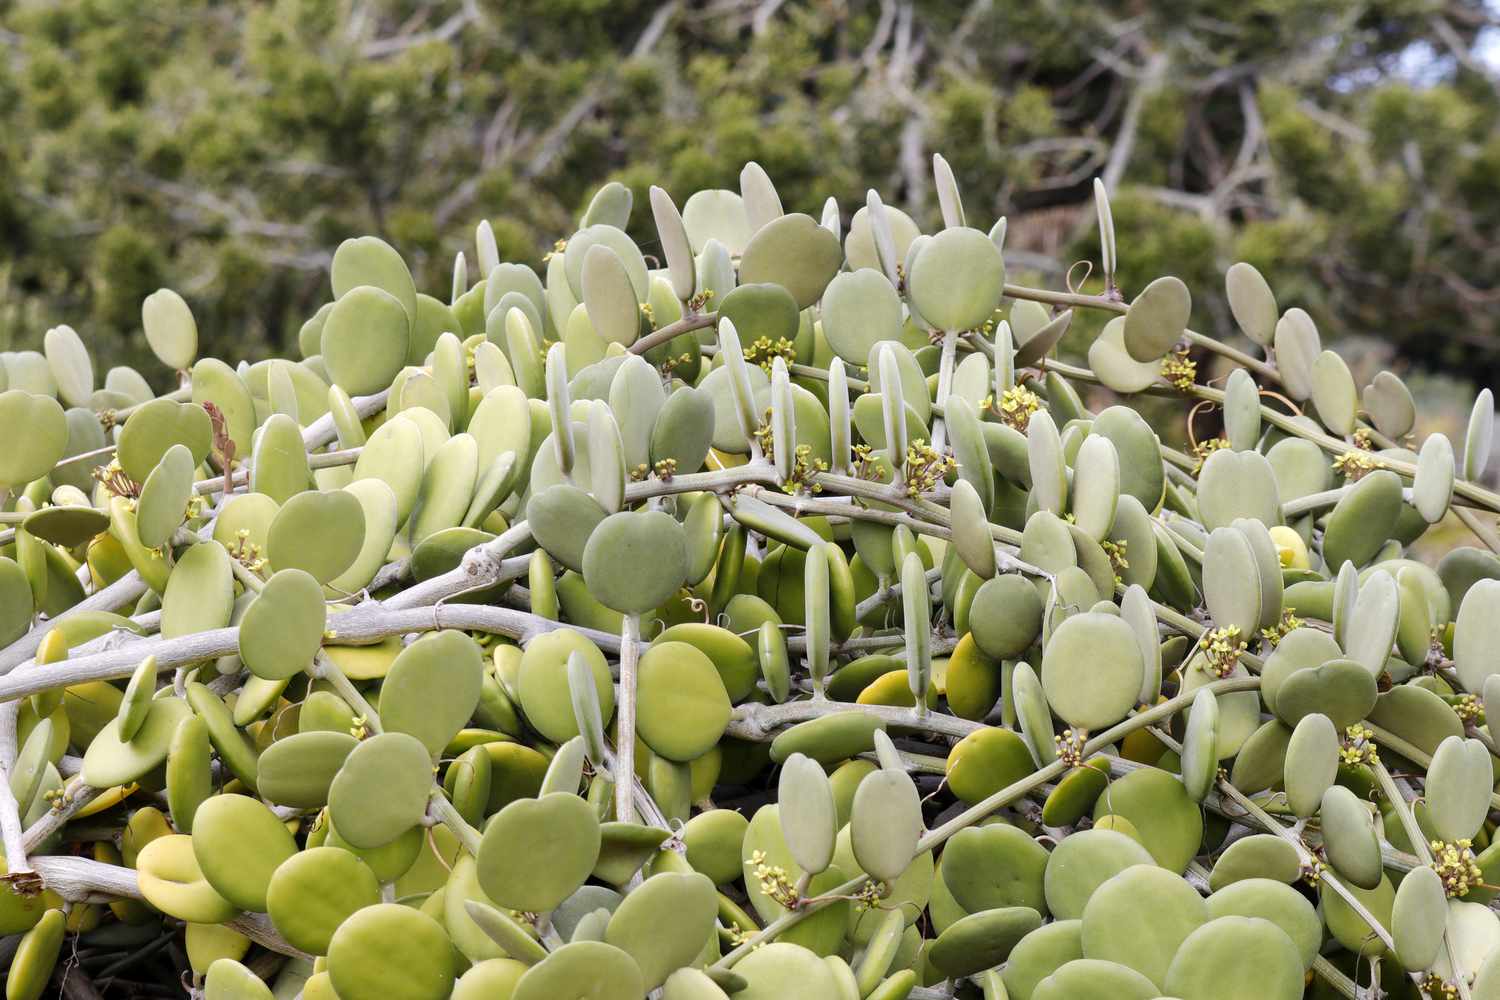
[{"x": 223, "y": 444}]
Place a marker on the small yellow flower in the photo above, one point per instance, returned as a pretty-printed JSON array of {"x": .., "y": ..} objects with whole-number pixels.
[
  {"x": 1222, "y": 648},
  {"x": 1355, "y": 465},
  {"x": 1178, "y": 369},
  {"x": 1016, "y": 406},
  {"x": 1456, "y": 865},
  {"x": 1358, "y": 746}
]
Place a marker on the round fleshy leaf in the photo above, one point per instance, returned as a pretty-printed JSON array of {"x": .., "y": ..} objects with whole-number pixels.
[
  {"x": 792, "y": 251},
  {"x": 1139, "y": 919},
  {"x": 982, "y": 940},
  {"x": 957, "y": 279},
  {"x": 1231, "y": 582},
  {"x": 582, "y": 970},
  {"x": 1237, "y": 484},
  {"x": 394, "y": 455},
  {"x": 171, "y": 332},
  {"x": 1297, "y": 346},
  {"x": 609, "y": 296},
  {"x": 1371, "y": 622},
  {"x": 31, "y": 455},
  {"x": 682, "y": 706},
  {"x": 1096, "y": 486},
  {"x": 366, "y": 339},
  {"x": 112, "y": 760},
  {"x": 1350, "y": 838},
  {"x": 635, "y": 561},
  {"x": 153, "y": 429},
  {"x": 809, "y": 817},
  {"x": 1200, "y": 758},
  {"x": 536, "y": 852},
  {"x": 162, "y": 506},
  {"x": 200, "y": 592},
  {"x": 1241, "y": 410},
  {"x": 1157, "y": 319},
  {"x": 995, "y": 866},
  {"x": 381, "y": 790},
  {"x": 1333, "y": 393},
  {"x": 171, "y": 881},
  {"x": 72, "y": 367},
  {"x": 320, "y": 533},
  {"x": 391, "y": 952},
  {"x": 562, "y": 519},
  {"x": 1476, "y": 634},
  {"x": 1091, "y": 670},
  {"x": 1252, "y": 302},
  {"x": 297, "y": 770},
  {"x": 986, "y": 761},
  {"x": 1342, "y": 689},
  {"x": 1005, "y": 617},
  {"x": 1419, "y": 917},
  {"x": 1312, "y": 763},
  {"x": 664, "y": 923},
  {"x": 674, "y": 241},
  {"x": 1157, "y": 805},
  {"x": 316, "y": 890},
  {"x": 859, "y": 310},
  {"x": 1479, "y": 435},
  {"x": 135, "y": 704},
  {"x": 1236, "y": 958},
  {"x": 370, "y": 261},
  {"x": 433, "y": 688},
  {"x": 1432, "y": 488},
  {"x": 1035, "y": 340},
  {"x": 543, "y": 687},
  {"x": 1084, "y": 861},
  {"x": 885, "y": 823},
  {"x": 278, "y": 464},
  {"x": 1459, "y": 783},
  {"x": 1389, "y": 403},
  {"x": 1258, "y": 857},
  {"x": 239, "y": 843},
  {"x": 282, "y": 629},
  {"x": 1112, "y": 362}
]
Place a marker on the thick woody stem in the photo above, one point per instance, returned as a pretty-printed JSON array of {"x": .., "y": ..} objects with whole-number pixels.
[
  {"x": 630, "y": 634},
  {"x": 19, "y": 872}
]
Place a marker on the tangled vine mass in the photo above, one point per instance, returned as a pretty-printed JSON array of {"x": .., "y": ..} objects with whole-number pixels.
[{"x": 769, "y": 617}]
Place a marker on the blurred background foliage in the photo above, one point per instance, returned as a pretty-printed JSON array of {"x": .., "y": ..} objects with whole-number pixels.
[{"x": 1347, "y": 148}]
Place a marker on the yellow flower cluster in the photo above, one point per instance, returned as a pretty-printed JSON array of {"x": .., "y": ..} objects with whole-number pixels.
[
  {"x": 1223, "y": 647},
  {"x": 1354, "y": 465},
  {"x": 1178, "y": 369},
  {"x": 762, "y": 351},
  {"x": 1070, "y": 746},
  {"x": 1275, "y": 633},
  {"x": 114, "y": 480},
  {"x": 805, "y": 469},
  {"x": 774, "y": 881},
  {"x": 246, "y": 552},
  {"x": 925, "y": 468},
  {"x": 865, "y": 466},
  {"x": 1117, "y": 555},
  {"x": 1203, "y": 449},
  {"x": 1455, "y": 864},
  {"x": 1438, "y": 988},
  {"x": 1016, "y": 406},
  {"x": 1358, "y": 746}
]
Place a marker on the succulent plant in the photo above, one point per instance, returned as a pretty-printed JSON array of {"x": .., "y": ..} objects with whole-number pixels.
[{"x": 776, "y": 622}]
